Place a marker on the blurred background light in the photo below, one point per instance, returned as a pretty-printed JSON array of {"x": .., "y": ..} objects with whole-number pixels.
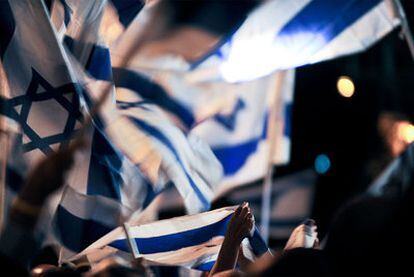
[
  {"x": 322, "y": 164},
  {"x": 406, "y": 131},
  {"x": 345, "y": 86}
]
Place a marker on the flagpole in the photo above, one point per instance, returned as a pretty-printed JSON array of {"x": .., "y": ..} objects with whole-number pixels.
[
  {"x": 405, "y": 27},
  {"x": 272, "y": 131},
  {"x": 131, "y": 242}
]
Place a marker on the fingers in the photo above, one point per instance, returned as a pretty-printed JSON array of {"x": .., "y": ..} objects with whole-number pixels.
[
  {"x": 245, "y": 210},
  {"x": 241, "y": 222},
  {"x": 238, "y": 210}
]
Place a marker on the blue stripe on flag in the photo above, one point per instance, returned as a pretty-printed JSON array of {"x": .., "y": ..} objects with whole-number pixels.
[
  {"x": 127, "y": 10},
  {"x": 325, "y": 18},
  {"x": 259, "y": 246},
  {"x": 67, "y": 11},
  {"x": 77, "y": 233},
  {"x": 176, "y": 241},
  {"x": 163, "y": 139},
  {"x": 104, "y": 177},
  {"x": 99, "y": 63},
  {"x": 150, "y": 90},
  {"x": 287, "y": 131},
  {"x": 206, "y": 266},
  {"x": 233, "y": 157}
]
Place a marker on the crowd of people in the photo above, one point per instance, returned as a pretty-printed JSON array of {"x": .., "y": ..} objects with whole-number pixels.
[{"x": 370, "y": 235}]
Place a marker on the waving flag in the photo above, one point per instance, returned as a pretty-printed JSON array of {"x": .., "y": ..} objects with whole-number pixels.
[
  {"x": 231, "y": 115},
  {"x": 44, "y": 101},
  {"x": 108, "y": 183},
  {"x": 240, "y": 139},
  {"x": 189, "y": 241},
  {"x": 286, "y": 34},
  {"x": 143, "y": 133}
]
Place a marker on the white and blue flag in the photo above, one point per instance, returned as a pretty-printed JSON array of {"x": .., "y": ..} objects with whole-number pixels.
[
  {"x": 241, "y": 139},
  {"x": 224, "y": 97},
  {"x": 192, "y": 241},
  {"x": 145, "y": 135},
  {"x": 110, "y": 180},
  {"x": 44, "y": 101},
  {"x": 283, "y": 34}
]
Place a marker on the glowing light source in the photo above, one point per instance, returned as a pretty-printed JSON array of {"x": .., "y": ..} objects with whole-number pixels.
[
  {"x": 322, "y": 164},
  {"x": 406, "y": 131},
  {"x": 345, "y": 86}
]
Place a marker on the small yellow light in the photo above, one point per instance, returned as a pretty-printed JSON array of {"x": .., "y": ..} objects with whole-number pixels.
[
  {"x": 345, "y": 86},
  {"x": 406, "y": 132}
]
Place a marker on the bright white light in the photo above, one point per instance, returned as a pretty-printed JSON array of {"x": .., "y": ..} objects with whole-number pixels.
[{"x": 406, "y": 132}]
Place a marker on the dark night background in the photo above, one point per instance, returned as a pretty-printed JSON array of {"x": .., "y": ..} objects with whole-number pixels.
[
  {"x": 346, "y": 129},
  {"x": 324, "y": 122}
]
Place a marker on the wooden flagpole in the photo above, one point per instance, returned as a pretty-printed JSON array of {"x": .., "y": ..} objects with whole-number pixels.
[{"x": 275, "y": 110}]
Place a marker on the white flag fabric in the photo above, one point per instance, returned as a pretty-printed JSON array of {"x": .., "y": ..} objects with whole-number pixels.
[
  {"x": 231, "y": 117},
  {"x": 190, "y": 241},
  {"x": 283, "y": 34},
  {"x": 230, "y": 114},
  {"x": 241, "y": 139},
  {"x": 44, "y": 101},
  {"x": 108, "y": 182}
]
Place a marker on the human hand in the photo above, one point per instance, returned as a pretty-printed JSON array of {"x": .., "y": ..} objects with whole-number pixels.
[
  {"x": 304, "y": 235},
  {"x": 241, "y": 223}
]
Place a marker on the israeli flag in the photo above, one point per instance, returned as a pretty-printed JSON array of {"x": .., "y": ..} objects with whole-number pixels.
[
  {"x": 241, "y": 138},
  {"x": 107, "y": 185},
  {"x": 192, "y": 241},
  {"x": 145, "y": 135},
  {"x": 286, "y": 34},
  {"x": 44, "y": 101},
  {"x": 231, "y": 117}
]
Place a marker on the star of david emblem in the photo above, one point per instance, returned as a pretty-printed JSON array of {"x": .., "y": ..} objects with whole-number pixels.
[
  {"x": 229, "y": 120},
  {"x": 41, "y": 104}
]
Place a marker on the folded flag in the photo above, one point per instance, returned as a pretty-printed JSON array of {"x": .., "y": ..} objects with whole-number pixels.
[{"x": 191, "y": 241}]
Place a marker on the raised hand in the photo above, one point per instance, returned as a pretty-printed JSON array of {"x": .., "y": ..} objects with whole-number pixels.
[
  {"x": 304, "y": 235},
  {"x": 240, "y": 224}
]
